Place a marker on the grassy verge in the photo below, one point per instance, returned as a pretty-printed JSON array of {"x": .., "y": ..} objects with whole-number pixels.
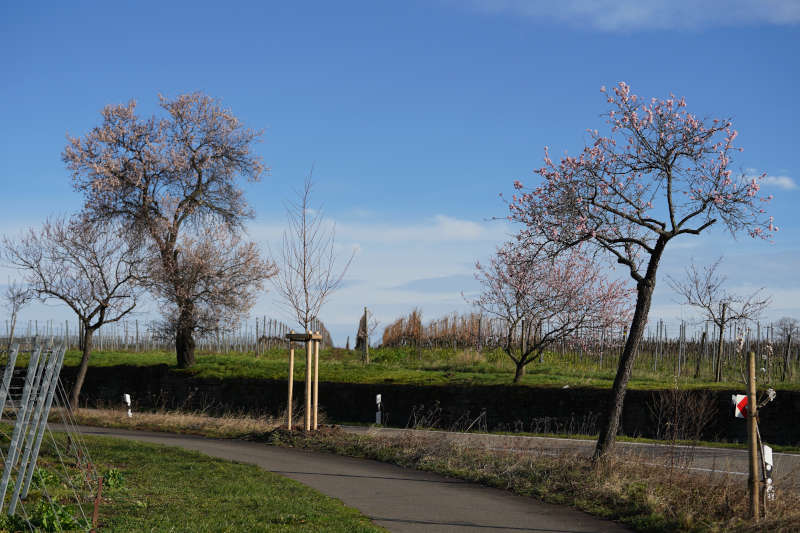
[
  {"x": 225, "y": 427},
  {"x": 395, "y": 365},
  {"x": 648, "y": 498},
  {"x": 156, "y": 488}
]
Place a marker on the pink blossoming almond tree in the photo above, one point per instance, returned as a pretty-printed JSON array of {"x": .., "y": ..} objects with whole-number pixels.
[
  {"x": 660, "y": 173},
  {"x": 546, "y": 300},
  {"x": 166, "y": 178}
]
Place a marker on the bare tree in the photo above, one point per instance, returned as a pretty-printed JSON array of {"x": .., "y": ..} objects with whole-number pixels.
[
  {"x": 787, "y": 326},
  {"x": 216, "y": 276},
  {"x": 366, "y": 327},
  {"x": 308, "y": 273},
  {"x": 547, "y": 300},
  {"x": 786, "y": 329},
  {"x": 165, "y": 177},
  {"x": 16, "y": 296},
  {"x": 706, "y": 291},
  {"x": 87, "y": 266}
]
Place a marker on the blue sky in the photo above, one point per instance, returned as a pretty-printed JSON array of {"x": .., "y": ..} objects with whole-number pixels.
[{"x": 415, "y": 115}]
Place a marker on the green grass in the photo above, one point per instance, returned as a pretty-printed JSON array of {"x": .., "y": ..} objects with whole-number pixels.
[
  {"x": 407, "y": 366},
  {"x": 647, "y": 497},
  {"x": 158, "y": 488}
]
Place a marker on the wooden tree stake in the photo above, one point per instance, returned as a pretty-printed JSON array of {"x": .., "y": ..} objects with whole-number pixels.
[
  {"x": 291, "y": 386},
  {"x": 308, "y": 385},
  {"x": 752, "y": 440},
  {"x": 316, "y": 380}
]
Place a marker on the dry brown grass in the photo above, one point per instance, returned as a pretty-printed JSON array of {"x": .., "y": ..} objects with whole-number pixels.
[
  {"x": 649, "y": 498},
  {"x": 231, "y": 426}
]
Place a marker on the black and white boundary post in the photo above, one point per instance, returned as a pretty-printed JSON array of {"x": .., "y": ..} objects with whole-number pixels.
[
  {"x": 752, "y": 440},
  {"x": 759, "y": 482},
  {"x": 126, "y": 398}
]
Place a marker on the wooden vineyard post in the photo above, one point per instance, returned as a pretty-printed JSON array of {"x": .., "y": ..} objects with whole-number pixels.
[
  {"x": 365, "y": 346},
  {"x": 316, "y": 378},
  {"x": 291, "y": 384},
  {"x": 752, "y": 440},
  {"x": 720, "y": 345},
  {"x": 96, "y": 513}
]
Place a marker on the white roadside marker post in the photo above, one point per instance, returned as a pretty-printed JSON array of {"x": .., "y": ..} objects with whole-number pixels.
[
  {"x": 127, "y": 399},
  {"x": 770, "y": 488},
  {"x": 379, "y": 410}
]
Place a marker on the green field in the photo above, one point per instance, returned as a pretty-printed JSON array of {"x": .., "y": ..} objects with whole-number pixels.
[
  {"x": 428, "y": 367},
  {"x": 156, "y": 488}
]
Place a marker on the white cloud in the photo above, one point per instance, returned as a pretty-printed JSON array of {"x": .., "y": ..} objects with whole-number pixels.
[
  {"x": 626, "y": 15},
  {"x": 440, "y": 228},
  {"x": 437, "y": 229},
  {"x": 782, "y": 182}
]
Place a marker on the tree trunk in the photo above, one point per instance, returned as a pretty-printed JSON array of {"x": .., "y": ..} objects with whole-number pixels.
[
  {"x": 610, "y": 425},
  {"x": 184, "y": 341},
  {"x": 84, "y": 366},
  {"x": 520, "y": 370},
  {"x": 700, "y": 355},
  {"x": 522, "y": 356},
  {"x": 11, "y": 331},
  {"x": 718, "y": 366},
  {"x": 644, "y": 295}
]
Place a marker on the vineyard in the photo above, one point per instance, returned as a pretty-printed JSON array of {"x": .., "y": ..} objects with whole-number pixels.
[
  {"x": 688, "y": 350},
  {"x": 474, "y": 343},
  {"x": 256, "y": 335}
]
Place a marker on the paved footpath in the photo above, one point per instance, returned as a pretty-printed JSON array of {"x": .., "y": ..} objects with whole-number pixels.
[{"x": 398, "y": 499}]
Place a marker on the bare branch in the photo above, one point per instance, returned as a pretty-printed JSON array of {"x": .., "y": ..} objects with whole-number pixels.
[
  {"x": 704, "y": 289},
  {"x": 309, "y": 271},
  {"x": 89, "y": 267}
]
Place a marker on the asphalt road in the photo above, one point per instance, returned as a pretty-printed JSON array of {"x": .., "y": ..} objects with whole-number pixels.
[
  {"x": 702, "y": 460},
  {"x": 398, "y": 499}
]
